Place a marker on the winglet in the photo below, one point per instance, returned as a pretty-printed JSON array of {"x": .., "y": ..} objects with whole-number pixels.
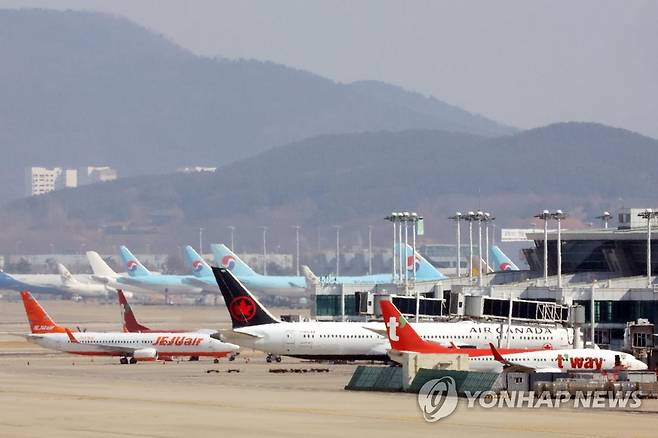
[
  {"x": 71, "y": 337},
  {"x": 496, "y": 354}
]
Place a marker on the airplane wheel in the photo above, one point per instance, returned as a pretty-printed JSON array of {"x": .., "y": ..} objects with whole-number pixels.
[
  {"x": 133, "y": 360},
  {"x": 215, "y": 361},
  {"x": 268, "y": 359},
  {"x": 231, "y": 358},
  {"x": 123, "y": 361},
  {"x": 194, "y": 358},
  {"x": 278, "y": 358}
]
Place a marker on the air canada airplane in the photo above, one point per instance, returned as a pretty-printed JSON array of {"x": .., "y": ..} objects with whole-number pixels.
[
  {"x": 403, "y": 337},
  {"x": 130, "y": 347},
  {"x": 255, "y": 327}
]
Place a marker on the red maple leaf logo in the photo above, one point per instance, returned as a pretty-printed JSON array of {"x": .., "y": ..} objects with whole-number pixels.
[{"x": 242, "y": 308}]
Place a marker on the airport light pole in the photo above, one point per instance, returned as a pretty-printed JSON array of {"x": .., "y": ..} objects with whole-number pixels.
[
  {"x": 487, "y": 219},
  {"x": 393, "y": 218},
  {"x": 264, "y": 228},
  {"x": 201, "y": 241},
  {"x": 337, "y": 227},
  {"x": 470, "y": 217},
  {"x": 369, "y": 249},
  {"x": 232, "y": 228},
  {"x": 649, "y": 214},
  {"x": 559, "y": 216},
  {"x": 297, "y": 227},
  {"x": 480, "y": 218},
  {"x": 458, "y": 218},
  {"x": 545, "y": 216},
  {"x": 605, "y": 217},
  {"x": 406, "y": 218}
]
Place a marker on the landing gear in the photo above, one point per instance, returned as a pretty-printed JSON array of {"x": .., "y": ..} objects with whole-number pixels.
[
  {"x": 123, "y": 361},
  {"x": 215, "y": 361},
  {"x": 133, "y": 360},
  {"x": 232, "y": 357},
  {"x": 194, "y": 358},
  {"x": 272, "y": 358}
]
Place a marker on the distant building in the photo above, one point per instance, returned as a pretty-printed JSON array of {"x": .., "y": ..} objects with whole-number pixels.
[
  {"x": 95, "y": 174},
  {"x": 195, "y": 169},
  {"x": 40, "y": 180}
]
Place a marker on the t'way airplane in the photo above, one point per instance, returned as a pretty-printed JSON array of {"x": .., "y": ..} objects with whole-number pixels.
[
  {"x": 130, "y": 347},
  {"x": 255, "y": 327},
  {"x": 403, "y": 337}
]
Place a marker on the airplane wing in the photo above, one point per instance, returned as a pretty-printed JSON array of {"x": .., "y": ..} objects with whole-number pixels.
[
  {"x": 107, "y": 347},
  {"x": 509, "y": 365},
  {"x": 199, "y": 283},
  {"x": 232, "y": 334}
]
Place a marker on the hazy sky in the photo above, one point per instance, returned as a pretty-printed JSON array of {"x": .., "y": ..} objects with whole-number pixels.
[{"x": 525, "y": 63}]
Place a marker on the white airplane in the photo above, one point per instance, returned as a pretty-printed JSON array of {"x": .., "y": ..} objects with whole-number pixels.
[
  {"x": 255, "y": 327},
  {"x": 130, "y": 347},
  {"x": 72, "y": 285},
  {"x": 63, "y": 283},
  {"x": 404, "y": 338}
]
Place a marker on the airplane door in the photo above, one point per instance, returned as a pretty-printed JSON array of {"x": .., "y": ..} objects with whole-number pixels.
[{"x": 290, "y": 340}]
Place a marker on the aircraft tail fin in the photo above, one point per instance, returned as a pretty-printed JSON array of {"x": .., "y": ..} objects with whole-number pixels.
[
  {"x": 133, "y": 266},
  {"x": 310, "y": 276},
  {"x": 402, "y": 335},
  {"x": 196, "y": 263},
  {"x": 500, "y": 261},
  {"x": 98, "y": 265},
  {"x": 65, "y": 275},
  {"x": 40, "y": 321},
  {"x": 130, "y": 323},
  {"x": 424, "y": 269},
  {"x": 245, "y": 309},
  {"x": 225, "y": 258}
]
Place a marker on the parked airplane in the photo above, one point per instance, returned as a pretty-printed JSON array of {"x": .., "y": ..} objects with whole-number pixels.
[
  {"x": 500, "y": 261},
  {"x": 255, "y": 327},
  {"x": 63, "y": 283},
  {"x": 403, "y": 337},
  {"x": 290, "y": 285},
  {"x": 139, "y": 277},
  {"x": 202, "y": 276},
  {"x": 130, "y": 347},
  {"x": 103, "y": 274}
]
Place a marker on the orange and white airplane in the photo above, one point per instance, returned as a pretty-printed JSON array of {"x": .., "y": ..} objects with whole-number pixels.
[
  {"x": 130, "y": 347},
  {"x": 403, "y": 337}
]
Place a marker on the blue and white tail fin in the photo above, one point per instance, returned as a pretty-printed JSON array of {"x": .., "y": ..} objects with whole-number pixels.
[
  {"x": 133, "y": 266},
  {"x": 225, "y": 258},
  {"x": 196, "y": 263},
  {"x": 500, "y": 262},
  {"x": 424, "y": 269}
]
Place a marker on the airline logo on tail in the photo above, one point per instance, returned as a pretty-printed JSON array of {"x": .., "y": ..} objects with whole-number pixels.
[
  {"x": 228, "y": 262},
  {"x": 131, "y": 265},
  {"x": 242, "y": 308},
  {"x": 410, "y": 263},
  {"x": 393, "y": 325},
  {"x": 197, "y": 265},
  {"x": 505, "y": 266}
]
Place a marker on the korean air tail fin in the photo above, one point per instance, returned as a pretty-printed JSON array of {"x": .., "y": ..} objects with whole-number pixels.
[
  {"x": 245, "y": 309},
  {"x": 40, "y": 321},
  {"x": 130, "y": 323},
  {"x": 402, "y": 335},
  {"x": 424, "y": 269},
  {"x": 65, "y": 275},
  {"x": 225, "y": 258},
  {"x": 133, "y": 266},
  {"x": 500, "y": 262},
  {"x": 196, "y": 263},
  {"x": 98, "y": 265}
]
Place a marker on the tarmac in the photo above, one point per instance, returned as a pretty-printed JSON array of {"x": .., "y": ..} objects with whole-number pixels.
[{"x": 57, "y": 395}]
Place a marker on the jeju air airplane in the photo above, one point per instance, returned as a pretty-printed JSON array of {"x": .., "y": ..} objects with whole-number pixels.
[
  {"x": 255, "y": 327},
  {"x": 403, "y": 337},
  {"x": 130, "y": 347}
]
